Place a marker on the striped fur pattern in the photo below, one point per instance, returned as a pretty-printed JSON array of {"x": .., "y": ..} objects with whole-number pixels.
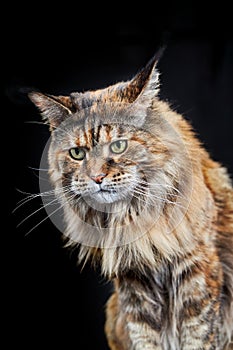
[{"x": 142, "y": 197}]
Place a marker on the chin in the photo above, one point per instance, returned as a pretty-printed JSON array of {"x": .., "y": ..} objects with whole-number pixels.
[
  {"x": 106, "y": 197},
  {"x": 103, "y": 198}
]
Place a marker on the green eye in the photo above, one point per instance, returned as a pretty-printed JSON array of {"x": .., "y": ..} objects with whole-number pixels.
[
  {"x": 118, "y": 146},
  {"x": 77, "y": 153}
]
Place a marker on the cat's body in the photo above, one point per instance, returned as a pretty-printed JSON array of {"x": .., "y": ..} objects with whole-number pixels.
[{"x": 142, "y": 197}]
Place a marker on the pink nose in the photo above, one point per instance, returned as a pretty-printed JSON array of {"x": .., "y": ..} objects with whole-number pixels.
[{"x": 98, "y": 178}]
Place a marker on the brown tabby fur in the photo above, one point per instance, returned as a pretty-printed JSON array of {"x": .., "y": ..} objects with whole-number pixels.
[{"x": 173, "y": 275}]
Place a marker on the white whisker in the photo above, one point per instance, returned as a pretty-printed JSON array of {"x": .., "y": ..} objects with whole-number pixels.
[
  {"x": 36, "y": 195},
  {"x": 47, "y": 217},
  {"x": 151, "y": 197},
  {"x": 151, "y": 185},
  {"x": 34, "y": 122},
  {"x": 39, "y": 169},
  {"x": 154, "y": 192},
  {"x": 36, "y": 211},
  {"x": 24, "y": 201}
]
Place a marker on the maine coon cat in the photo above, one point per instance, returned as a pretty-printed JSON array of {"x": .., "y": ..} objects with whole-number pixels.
[{"x": 142, "y": 197}]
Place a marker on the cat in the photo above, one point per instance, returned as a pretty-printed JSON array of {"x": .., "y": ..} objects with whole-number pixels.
[{"x": 142, "y": 198}]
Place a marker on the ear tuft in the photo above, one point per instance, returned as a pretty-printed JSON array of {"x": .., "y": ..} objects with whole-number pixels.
[
  {"x": 54, "y": 109},
  {"x": 145, "y": 84}
]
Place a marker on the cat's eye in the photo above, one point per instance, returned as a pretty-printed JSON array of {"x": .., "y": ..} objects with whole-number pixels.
[
  {"x": 118, "y": 146},
  {"x": 77, "y": 153}
]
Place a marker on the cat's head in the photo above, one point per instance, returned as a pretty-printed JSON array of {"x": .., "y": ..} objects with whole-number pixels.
[
  {"x": 100, "y": 139},
  {"x": 114, "y": 158}
]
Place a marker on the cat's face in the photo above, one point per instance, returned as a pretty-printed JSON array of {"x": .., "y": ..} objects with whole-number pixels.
[{"x": 102, "y": 162}]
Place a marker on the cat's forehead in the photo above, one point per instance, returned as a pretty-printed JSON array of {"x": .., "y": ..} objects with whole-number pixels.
[
  {"x": 92, "y": 134},
  {"x": 100, "y": 122}
]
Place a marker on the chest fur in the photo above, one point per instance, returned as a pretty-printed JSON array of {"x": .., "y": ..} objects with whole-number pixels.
[{"x": 162, "y": 305}]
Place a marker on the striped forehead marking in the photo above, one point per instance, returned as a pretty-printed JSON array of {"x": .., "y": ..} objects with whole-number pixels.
[{"x": 100, "y": 134}]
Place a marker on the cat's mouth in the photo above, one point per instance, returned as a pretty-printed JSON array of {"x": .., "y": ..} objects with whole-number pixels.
[
  {"x": 105, "y": 196},
  {"x": 101, "y": 190},
  {"x": 104, "y": 189}
]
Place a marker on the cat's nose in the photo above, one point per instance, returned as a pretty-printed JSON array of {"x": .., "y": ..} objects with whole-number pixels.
[{"x": 98, "y": 178}]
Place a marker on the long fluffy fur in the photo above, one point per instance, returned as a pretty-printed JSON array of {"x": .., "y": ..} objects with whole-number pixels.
[{"x": 175, "y": 238}]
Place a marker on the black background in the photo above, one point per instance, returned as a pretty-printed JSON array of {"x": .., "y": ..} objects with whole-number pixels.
[{"x": 48, "y": 300}]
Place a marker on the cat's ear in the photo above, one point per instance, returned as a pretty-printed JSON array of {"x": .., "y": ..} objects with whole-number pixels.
[
  {"x": 54, "y": 109},
  {"x": 145, "y": 84}
]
